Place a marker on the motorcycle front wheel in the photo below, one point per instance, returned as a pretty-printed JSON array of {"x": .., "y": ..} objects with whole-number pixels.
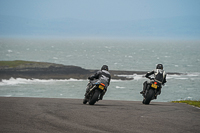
[
  {"x": 84, "y": 101},
  {"x": 94, "y": 97},
  {"x": 148, "y": 97}
]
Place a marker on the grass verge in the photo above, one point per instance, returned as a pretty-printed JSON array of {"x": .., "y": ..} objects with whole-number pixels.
[
  {"x": 14, "y": 63},
  {"x": 190, "y": 102}
]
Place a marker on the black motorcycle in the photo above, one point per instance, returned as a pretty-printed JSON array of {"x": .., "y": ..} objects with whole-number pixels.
[
  {"x": 95, "y": 90},
  {"x": 151, "y": 91}
]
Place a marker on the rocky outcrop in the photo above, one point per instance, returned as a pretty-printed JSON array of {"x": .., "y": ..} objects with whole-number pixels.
[{"x": 42, "y": 70}]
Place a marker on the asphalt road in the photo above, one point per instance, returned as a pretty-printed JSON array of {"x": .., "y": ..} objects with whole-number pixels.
[{"x": 48, "y": 115}]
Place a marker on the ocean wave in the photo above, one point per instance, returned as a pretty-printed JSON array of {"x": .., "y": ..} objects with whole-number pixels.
[
  {"x": 181, "y": 78},
  {"x": 13, "y": 81},
  {"x": 134, "y": 76},
  {"x": 119, "y": 87},
  {"x": 186, "y": 98},
  {"x": 116, "y": 80},
  {"x": 184, "y": 76},
  {"x": 192, "y": 76}
]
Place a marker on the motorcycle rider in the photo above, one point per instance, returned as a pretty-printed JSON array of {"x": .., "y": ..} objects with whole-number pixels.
[
  {"x": 103, "y": 76},
  {"x": 159, "y": 76}
]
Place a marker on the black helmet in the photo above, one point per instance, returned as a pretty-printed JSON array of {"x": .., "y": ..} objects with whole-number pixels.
[
  {"x": 159, "y": 66},
  {"x": 104, "y": 67}
]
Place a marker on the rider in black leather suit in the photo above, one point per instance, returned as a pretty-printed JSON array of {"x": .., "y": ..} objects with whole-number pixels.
[
  {"x": 159, "y": 76},
  {"x": 103, "y": 76}
]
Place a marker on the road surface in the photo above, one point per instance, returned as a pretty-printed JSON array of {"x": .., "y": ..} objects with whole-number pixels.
[{"x": 51, "y": 115}]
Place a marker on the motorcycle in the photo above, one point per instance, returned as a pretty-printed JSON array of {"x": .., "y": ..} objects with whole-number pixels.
[
  {"x": 151, "y": 91},
  {"x": 93, "y": 95}
]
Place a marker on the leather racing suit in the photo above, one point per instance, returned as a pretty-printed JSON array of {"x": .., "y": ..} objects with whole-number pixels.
[
  {"x": 159, "y": 76},
  {"x": 102, "y": 76}
]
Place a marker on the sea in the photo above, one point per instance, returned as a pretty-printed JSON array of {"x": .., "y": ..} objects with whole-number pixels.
[{"x": 177, "y": 56}]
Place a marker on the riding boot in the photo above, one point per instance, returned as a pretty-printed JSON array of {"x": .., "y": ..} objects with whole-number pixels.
[
  {"x": 87, "y": 90},
  {"x": 102, "y": 94},
  {"x": 144, "y": 87}
]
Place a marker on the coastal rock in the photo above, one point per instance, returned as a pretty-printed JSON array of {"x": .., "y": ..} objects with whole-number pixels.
[{"x": 43, "y": 70}]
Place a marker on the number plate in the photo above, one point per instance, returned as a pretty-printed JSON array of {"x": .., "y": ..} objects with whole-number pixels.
[
  {"x": 101, "y": 87},
  {"x": 154, "y": 86}
]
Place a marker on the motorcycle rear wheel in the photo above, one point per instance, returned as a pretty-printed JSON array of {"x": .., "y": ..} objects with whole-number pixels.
[
  {"x": 94, "y": 97},
  {"x": 148, "y": 97}
]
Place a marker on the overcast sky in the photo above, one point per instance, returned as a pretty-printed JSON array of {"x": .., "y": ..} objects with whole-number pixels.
[{"x": 105, "y": 10}]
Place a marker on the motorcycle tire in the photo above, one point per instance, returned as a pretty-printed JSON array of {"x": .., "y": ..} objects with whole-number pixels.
[
  {"x": 94, "y": 97},
  {"x": 84, "y": 101},
  {"x": 148, "y": 97}
]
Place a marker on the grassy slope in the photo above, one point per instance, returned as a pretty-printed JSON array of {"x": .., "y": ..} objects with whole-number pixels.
[
  {"x": 190, "y": 102},
  {"x": 21, "y": 63},
  {"x": 14, "y": 63}
]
